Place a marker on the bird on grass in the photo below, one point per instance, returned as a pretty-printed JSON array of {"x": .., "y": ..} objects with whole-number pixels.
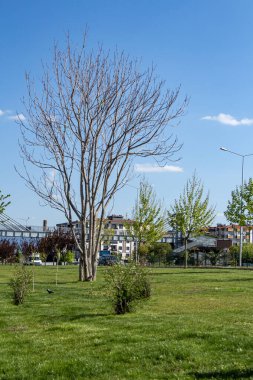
[{"x": 50, "y": 291}]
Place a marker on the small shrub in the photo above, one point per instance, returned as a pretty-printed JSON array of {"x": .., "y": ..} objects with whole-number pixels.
[
  {"x": 127, "y": 284},
  {"x": 69, "y": 257},
  {"x": 21, "y": 284}
]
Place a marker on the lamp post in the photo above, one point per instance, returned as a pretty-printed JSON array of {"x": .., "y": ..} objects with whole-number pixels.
[{"x": 241, "y": 227}]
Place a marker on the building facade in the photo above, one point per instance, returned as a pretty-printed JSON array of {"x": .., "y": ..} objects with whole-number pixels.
[
  {"x": 117, "y": 238},
  {"x": 13, "y": 231},
  {"x": 232, "y": 232}
]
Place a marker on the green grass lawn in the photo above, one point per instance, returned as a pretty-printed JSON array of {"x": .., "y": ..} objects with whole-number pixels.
[{"x": 198, "y": 324}]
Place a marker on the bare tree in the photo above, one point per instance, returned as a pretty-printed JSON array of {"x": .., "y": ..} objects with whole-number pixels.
[{"x": 95, "y": 113}]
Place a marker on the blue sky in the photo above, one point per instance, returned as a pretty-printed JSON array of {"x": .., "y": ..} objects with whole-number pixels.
[{"x": 206, "y": 46}]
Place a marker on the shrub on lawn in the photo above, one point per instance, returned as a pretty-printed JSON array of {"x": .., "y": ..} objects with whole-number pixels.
[
  {"x": 21, "y": 284},
  {"x": 69, "y": 257},
  {"x": 127, "y": 284}
]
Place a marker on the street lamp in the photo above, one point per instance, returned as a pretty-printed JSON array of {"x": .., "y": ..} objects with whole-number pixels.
[{"x": 241, "y": 227}]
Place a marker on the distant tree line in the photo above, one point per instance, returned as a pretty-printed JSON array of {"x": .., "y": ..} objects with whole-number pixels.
[{"x": 57, "y": 244}]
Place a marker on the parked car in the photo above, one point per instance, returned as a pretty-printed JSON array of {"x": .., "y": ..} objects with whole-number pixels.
[
  {"x": 108, "y": 260},
  {"x": 33, "y": 260}
]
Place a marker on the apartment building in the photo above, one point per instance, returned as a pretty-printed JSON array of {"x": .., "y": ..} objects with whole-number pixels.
[
  {"x": 116, "y": 237},
  {"x": 232, "y": 232},
  {"x": 174, "y": 238}
]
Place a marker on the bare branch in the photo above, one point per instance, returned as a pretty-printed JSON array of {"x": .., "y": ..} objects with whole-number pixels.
[{"x": 95, "y": 114}]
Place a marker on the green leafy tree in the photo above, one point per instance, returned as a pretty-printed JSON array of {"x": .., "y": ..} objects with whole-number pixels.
[
  {"x": 247, "y": 253},
  {"x": 3, "y": 202},
  {"x": 160, "y": 253},
  {"x": 69, "y": 257},
  {"x": 240, "y": 207},
  {"x": 143, "y": 252},
  {"x": 233, "y": 256},
  {"x": 149, "y": 221},
  {"x": 214, "y": 256},
  {"x": 191, "y": 213}
]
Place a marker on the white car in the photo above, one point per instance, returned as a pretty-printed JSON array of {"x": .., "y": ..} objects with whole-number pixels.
[{"x": 34, "y": 260}]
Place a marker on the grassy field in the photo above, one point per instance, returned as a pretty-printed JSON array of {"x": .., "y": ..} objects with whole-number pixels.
[{"x": 197, "y": 325}]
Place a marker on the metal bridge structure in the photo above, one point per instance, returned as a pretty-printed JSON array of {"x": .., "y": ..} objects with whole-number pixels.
[
  {"x": 10, "y": 229},
  {"x": 199, "y": 242}
]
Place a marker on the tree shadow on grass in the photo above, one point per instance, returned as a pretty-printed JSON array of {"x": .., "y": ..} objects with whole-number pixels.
[
  {"x": 184, "y": 272},
  {"x": 229, "y": 374},
  {"x": 240, "y": 279},
  {"x": 88, "y": 316},
  {"x": 60, "y": 282},
  {"x": 229, "y": 279},
  {"x": 83, "y": 316}
]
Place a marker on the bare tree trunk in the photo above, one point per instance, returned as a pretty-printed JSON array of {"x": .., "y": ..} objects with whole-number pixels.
[
  {"x": 84, "y": 273},
  {"x": 81, "y": 269},
  {"x": 94, "y": 270},
  {"x": 96, "y": 112}
]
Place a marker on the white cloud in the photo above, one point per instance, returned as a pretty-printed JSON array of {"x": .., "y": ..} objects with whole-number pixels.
[
  {"x": 52, "y": 174},
  {"x": 18, "y": 117},
  {"x": 2, "y": 113},
  {"x": 51, "y": 177},
  {"x": 151, "y": 168},
  {"x": 227, "y": 119}
]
